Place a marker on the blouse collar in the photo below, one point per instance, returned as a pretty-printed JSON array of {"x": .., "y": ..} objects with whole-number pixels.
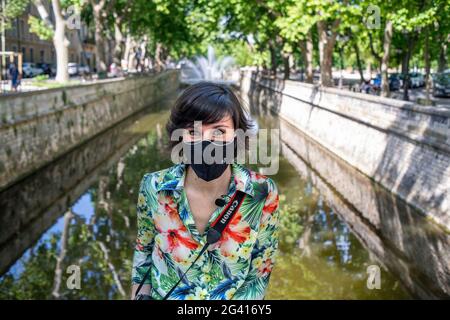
[{"x": 173, "y": 179}]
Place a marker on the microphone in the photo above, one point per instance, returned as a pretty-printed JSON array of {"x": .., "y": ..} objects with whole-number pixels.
[
  {"x": 220, "y": 202},
  {"x": 213, "y": 236}
]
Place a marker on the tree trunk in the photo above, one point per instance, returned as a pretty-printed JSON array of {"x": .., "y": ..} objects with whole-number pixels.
[
  {"x": 286, "y": 65},
  {"x": 442, "y": 61},
  {"x": 60, "y": 41},
  {"x": 405, "y": 66},
  {"x": 385, "y": 59},
  {"x": 358, "y": 61},
  {"x": 377, "y": 56},
  {"x": 427, "y": 64},
  {"x": 100, "y": 61},
  {"x": 369, "y": 70},
  {"x": 109, "y": 49},
  {"x": 307, "y": 53},
  {"x": 158, "y": 54},
  {"x": 273, "y": 59},
  {"x": 326, "y": 47},
  {"x": 62, "y": 254},
  {"x": 341, "y": 58},
  {"x": 61, "y": 44},
  {"x": 127, "y": 52}
]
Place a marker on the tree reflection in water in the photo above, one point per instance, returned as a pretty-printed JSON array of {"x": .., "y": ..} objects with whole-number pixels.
[
  {"x": 319, "y": 257},
  {"x": 100, "y": 236}
]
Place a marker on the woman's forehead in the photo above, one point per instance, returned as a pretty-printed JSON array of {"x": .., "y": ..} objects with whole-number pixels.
[{"x": 226, "y": 121}]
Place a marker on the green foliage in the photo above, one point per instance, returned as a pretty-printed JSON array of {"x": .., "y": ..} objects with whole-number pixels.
[
  {"x": 262, "y": 32},
  {"x": 13, "y": 9},
  {"x": 41, "y": 77},
  {"x": 39, "y": 27}
]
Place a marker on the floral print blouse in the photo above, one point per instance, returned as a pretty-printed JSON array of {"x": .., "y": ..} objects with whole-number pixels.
[{"x": 238, "y": 266}]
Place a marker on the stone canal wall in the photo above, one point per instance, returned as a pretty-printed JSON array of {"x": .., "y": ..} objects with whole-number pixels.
[
  {"x": 395, "y": 234},
  {"x": 37, "y": 127},
  {"x": 403, "y": 146}
]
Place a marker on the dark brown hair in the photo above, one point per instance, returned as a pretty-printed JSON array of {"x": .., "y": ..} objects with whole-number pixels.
[{"x": 207, "y": 102}]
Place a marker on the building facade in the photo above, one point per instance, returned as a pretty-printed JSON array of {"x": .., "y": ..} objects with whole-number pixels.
[{"x": 19, "y": 38}]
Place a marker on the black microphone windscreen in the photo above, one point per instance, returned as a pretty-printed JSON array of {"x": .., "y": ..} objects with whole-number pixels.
[
  {"x": 220, "y": 202},
  {"x": 212, "y": 236}
]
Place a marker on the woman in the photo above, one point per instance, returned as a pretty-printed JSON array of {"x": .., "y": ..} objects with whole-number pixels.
[{"x": 177, "y": 206}]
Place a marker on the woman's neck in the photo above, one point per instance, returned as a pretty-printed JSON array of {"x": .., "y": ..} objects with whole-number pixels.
[{"x": 215, "y": 187}]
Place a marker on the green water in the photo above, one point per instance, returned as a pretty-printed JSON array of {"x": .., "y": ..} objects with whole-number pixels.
[{"x": 91, "y": 213}]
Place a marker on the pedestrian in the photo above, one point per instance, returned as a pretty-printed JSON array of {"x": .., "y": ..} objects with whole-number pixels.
[{"x": 15, "y": 77}]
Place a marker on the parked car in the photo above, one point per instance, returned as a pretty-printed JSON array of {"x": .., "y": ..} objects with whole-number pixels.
[
  {"x": 416, "y": 79},
  {"x": 84, "y": 69},
  {"x": 72, "y": 68},
  {"x": 394, "y": 82},
  {"x": 441, "y": 84},
  {"x": 30, "y": 70},
  {"x": 47, "y": 69}
]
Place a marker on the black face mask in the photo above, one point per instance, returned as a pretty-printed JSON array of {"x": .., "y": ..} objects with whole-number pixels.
[{"x": 207, "y": 166}]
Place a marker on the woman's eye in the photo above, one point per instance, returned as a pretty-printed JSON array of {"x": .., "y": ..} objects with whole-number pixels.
[{"x": 218, "y": 132}]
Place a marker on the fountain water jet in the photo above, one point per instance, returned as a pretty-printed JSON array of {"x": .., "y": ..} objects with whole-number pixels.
[{"x": 207, "y": 68}]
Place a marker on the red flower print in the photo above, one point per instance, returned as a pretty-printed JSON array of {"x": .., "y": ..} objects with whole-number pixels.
[
  {"x": 139, "y": 245},
  {"x": 167, "y": 204},
  {"x": 266, "y": 267},
  {"x": 237, "y": 231},
  {"x": 271, "y": 203},
  {"x": 176, "y": 240}
]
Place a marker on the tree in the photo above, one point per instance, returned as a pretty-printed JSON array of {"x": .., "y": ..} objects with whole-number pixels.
[
  {"x": 296, "y": 26},
  {"x": 413, "y": 17},
  {"x": 47, "y": 28},
  {"x": 330, "y": 18}
]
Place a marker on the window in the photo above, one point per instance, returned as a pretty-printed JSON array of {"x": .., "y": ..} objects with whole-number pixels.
[
  {"x": 24, "y": 54},
  {"x": 31, "y": 55},
  {"x": 42, "y": 54}
]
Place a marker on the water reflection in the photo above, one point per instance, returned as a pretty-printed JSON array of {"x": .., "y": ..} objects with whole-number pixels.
[
  {"x": 80, "y": 210},
  {"x": 395, "y": 235}
]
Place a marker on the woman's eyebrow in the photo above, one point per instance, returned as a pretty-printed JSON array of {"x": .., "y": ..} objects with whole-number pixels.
[{"x": 220, "y": 125}]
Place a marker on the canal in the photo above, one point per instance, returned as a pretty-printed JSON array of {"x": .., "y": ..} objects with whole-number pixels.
[{"x": 336, "y": 225}]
